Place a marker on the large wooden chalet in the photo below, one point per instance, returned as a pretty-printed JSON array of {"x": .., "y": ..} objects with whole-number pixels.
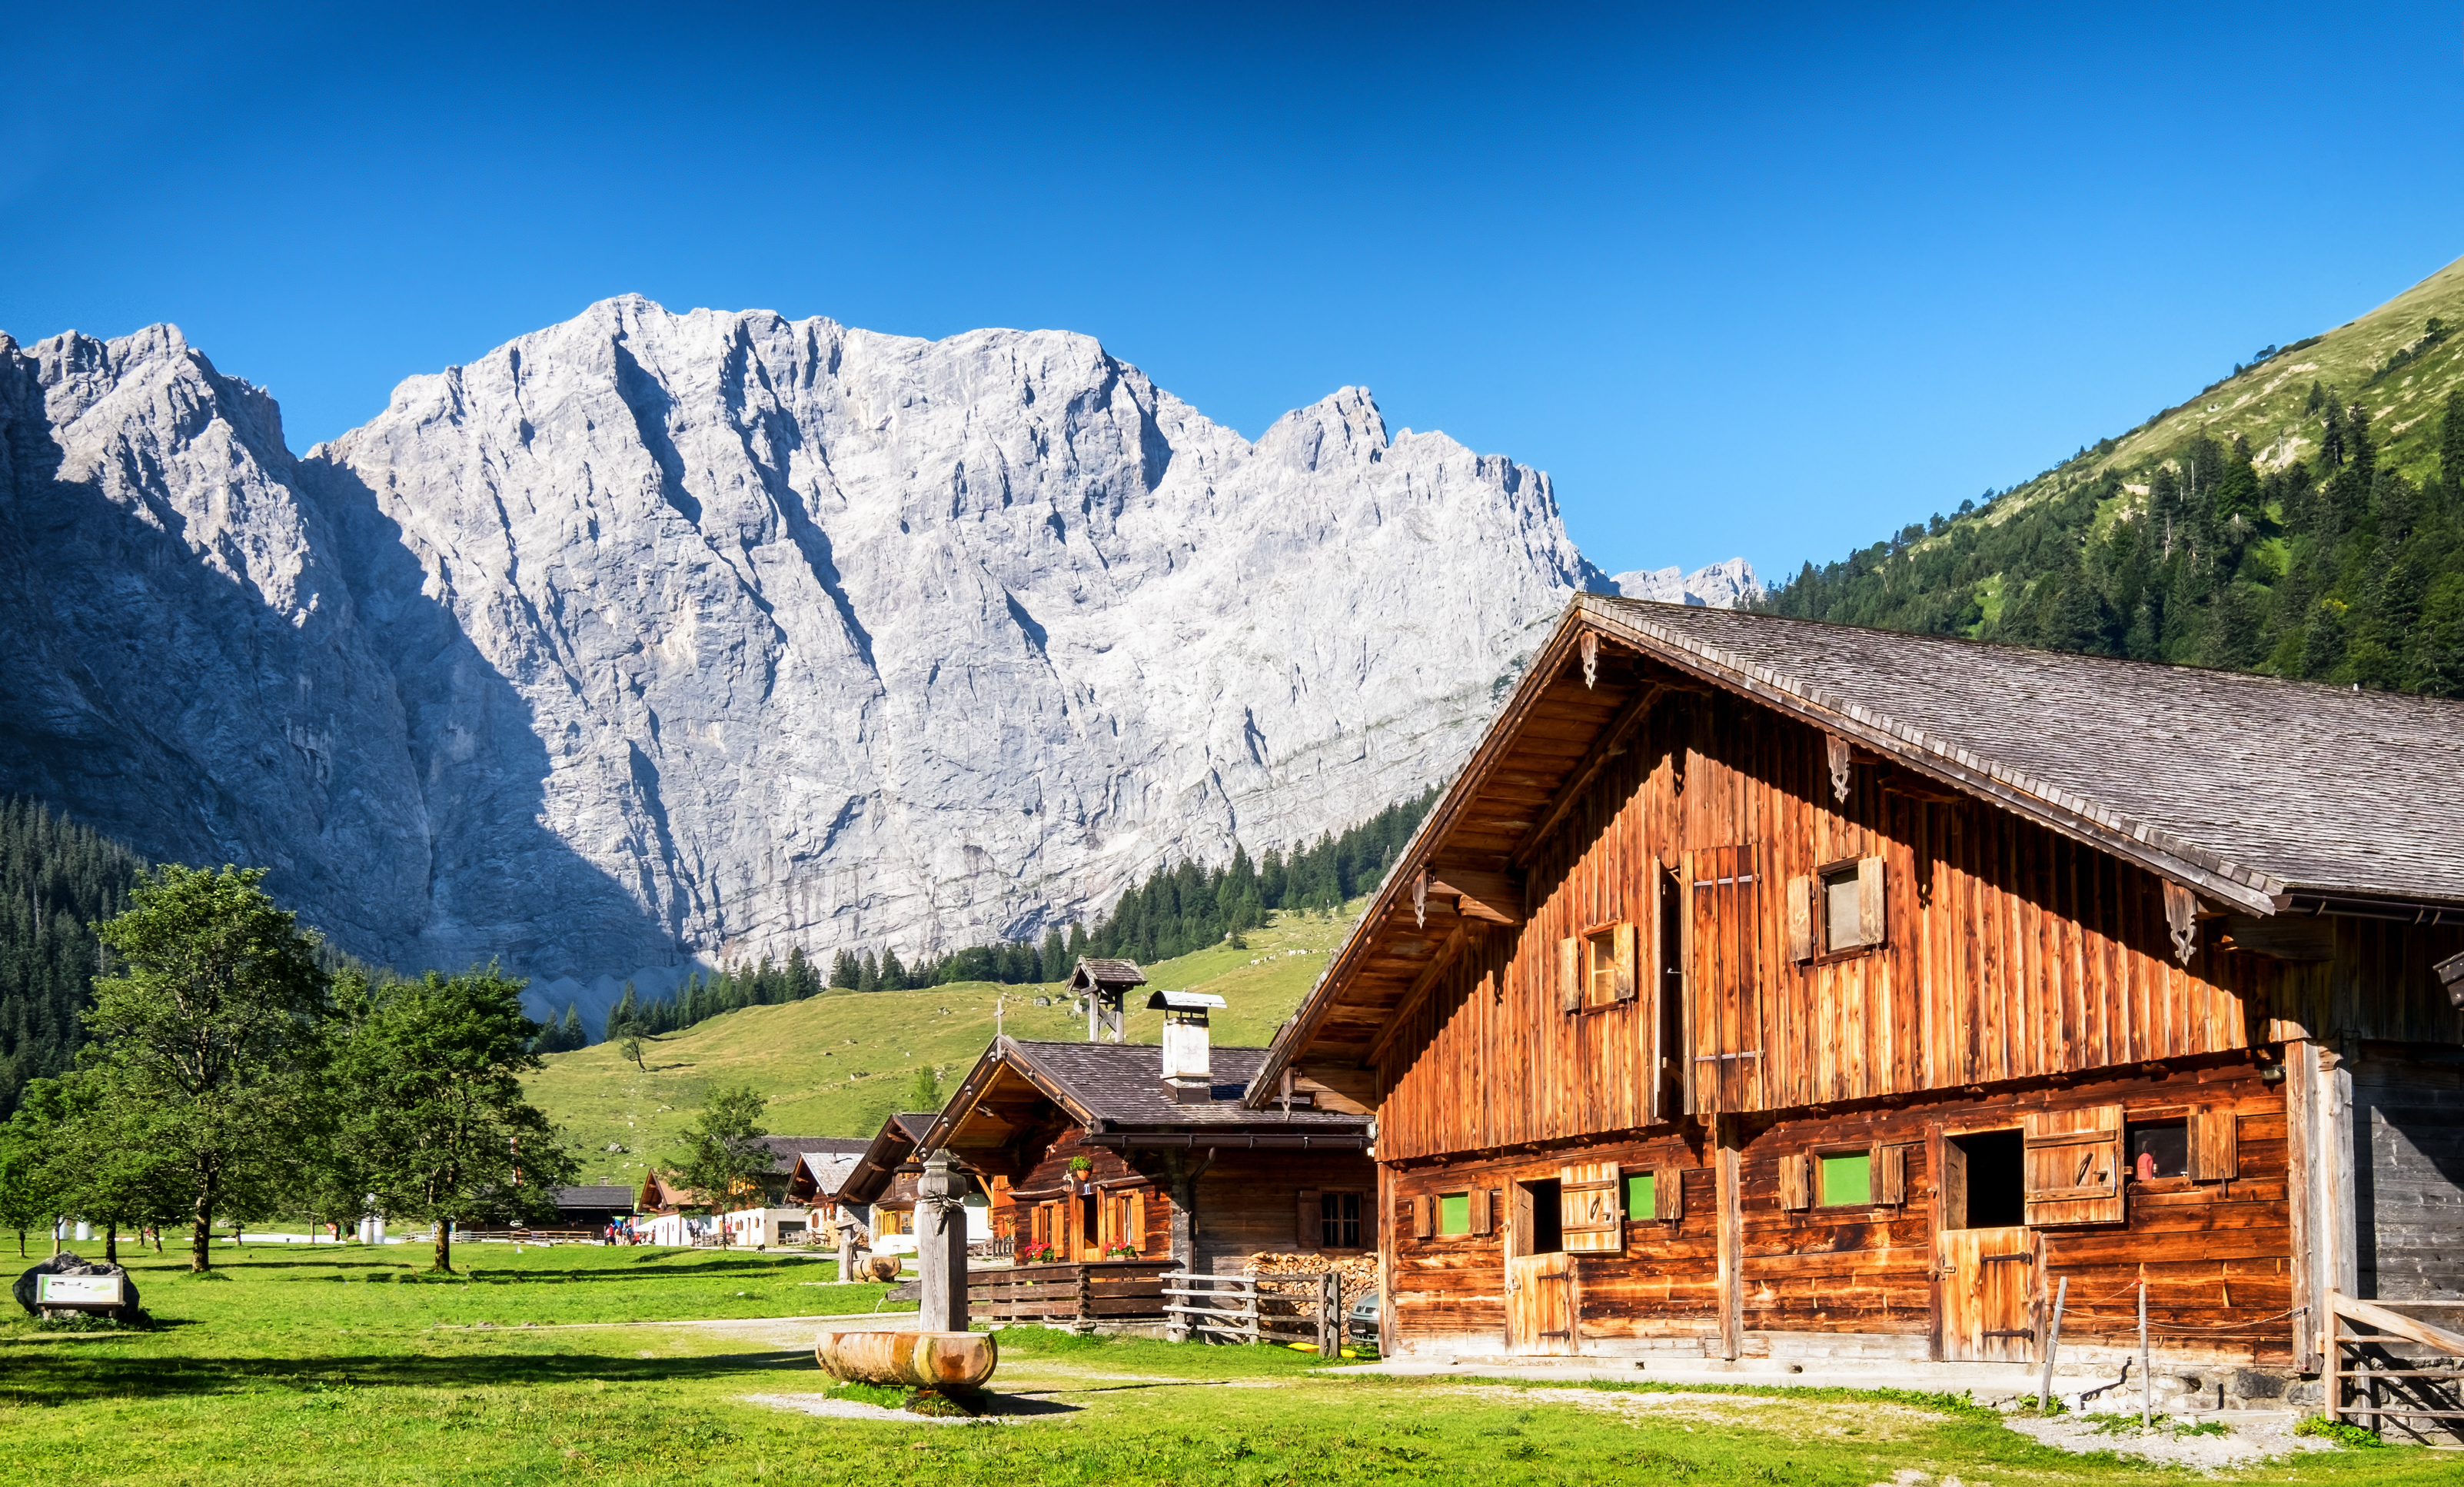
[{"x": 1764, "y": 987}]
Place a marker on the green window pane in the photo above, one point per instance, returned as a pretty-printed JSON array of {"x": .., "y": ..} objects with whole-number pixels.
[
  {"x": 1454, "y": 1214},
  {"x": 1639, "y": 1200},
  {"x": 1848, "y": 1181}
]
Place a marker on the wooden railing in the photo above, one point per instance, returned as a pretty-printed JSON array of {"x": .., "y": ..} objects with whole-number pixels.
[
  {"x": 2389, "y": 1386},
  {"x": 1305, "y": 1308},
  {"x": 1070, "y": 1293}
]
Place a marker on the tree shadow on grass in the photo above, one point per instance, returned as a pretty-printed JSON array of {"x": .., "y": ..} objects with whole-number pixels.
[{"x": 66, "y": 1380}]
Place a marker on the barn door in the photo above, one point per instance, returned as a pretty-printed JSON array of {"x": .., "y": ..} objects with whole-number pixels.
[
  {"x": 1539, "y": 1282},
  {"x": 1540, "y": 1303},
  {"x": 1726, "y": 991},
  {"x": 1986, "y": 1274}
]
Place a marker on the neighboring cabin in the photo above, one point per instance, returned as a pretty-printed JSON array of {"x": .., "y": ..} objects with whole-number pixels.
[
  {"x": 1767, "y": 987},
  {"x": 1175, "y": 1166}
]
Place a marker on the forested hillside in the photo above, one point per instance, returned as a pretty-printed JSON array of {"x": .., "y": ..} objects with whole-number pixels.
[
  {"x": 2304, "y": 516},
  {"x": 1178, "y": 910},
  {"x": 55, "y": 879}
]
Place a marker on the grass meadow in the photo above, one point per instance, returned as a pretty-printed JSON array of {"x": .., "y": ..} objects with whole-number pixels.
[
  {"x": 580, "y": 1364},
  {"x": 837, "y": 1064}
]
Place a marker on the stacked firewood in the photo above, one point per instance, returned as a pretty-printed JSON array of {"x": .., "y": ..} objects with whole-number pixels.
[{"x": 1359, "y": 1271}]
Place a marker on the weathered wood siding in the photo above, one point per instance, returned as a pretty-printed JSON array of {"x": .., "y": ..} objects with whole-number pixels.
[
  {"x": 2012, "y": 953},
  {"x": 2217, "y": 1255},
  {"x": 1249, "y": 1200},
  {"x": 2408, "y": 1125}
]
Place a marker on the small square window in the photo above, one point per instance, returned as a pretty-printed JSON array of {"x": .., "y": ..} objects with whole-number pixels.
[
  {"x": 1847, "y": 1180},
  {"x": 1642, "y": 1199},
  {"x": 1454, "y": 1212},
  {"x": 1339, "y": 1220},
  {"x": 2160, "y": 1148},
  {"x": 1599, "y": 968}
]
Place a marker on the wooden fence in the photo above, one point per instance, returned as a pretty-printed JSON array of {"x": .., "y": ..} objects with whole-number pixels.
[
  {"x": 2381, "y": 1371},
  {"x": 1304, "y": 1308},
  {"x": 1066, "y": 1294}
]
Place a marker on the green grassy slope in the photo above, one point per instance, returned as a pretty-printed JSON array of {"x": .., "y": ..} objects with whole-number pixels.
[
  {"x": 837, "y": 1064},
  {"x": 2145, "y": 545}
]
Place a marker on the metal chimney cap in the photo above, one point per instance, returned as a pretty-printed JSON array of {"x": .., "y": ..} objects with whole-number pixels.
[{"x": 1183, "y": 1001}]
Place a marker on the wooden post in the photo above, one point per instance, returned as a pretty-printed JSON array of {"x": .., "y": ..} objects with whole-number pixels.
[
  {"x": 847, "y": 1244},
  {"x": 2146, "y": 1380},
  {"x": 1732, "y": 1291},
  {"x": 2336, "y": 1156},
  {"x": 941, "y": 1245},
  {"x": 2335, "y": 1350},
  {"x": 2300, "y": 1206},
  {"x": 2053, "y": 1340},
  {"x": 1330, "y": 1295}
]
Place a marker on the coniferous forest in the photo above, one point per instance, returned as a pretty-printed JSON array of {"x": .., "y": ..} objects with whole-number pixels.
[
  {"x": 56, "y": 880},
  {"x": 2337, "y": 564},
  {"x": 1178, "y": 909}
]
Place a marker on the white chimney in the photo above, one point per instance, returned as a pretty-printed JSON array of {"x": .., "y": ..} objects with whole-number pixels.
[{"x": 1188, "y": 1065}]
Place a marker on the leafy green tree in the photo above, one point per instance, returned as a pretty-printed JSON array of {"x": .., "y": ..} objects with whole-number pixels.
[
  {"x": 28, "y": 1197},
  {"x": 437, "y": 1127},
  {"x": 923, "y": 1089},
  {"x": 95, "y": 1158},
  {"x": 208, "y": 1043},
  {"x": 724, "y": 1159}
]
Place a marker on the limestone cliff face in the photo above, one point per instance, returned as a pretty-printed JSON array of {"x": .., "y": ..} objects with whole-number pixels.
[{"x": 652, "y": 638}]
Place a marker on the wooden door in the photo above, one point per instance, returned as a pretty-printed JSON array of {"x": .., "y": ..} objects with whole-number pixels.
[
  {"x": 1987, "y": 1277},
  {"x": 1540, "y": 1303}
]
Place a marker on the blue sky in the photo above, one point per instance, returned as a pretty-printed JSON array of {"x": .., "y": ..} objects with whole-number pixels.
[{"x": 1761, "y": 282}]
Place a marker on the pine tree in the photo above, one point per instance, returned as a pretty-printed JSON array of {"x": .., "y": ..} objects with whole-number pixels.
[
  {"x": 570, "y": 1035},
  {"x": 893, "y": 975},
  {"x": 868, "y": 977},
  {"x": 2331, "y": 441}
]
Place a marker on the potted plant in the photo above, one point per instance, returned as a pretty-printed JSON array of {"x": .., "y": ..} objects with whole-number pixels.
[
  {"x": 1037, "y": 1254},
  {"x": 1081, "y": 1169}
]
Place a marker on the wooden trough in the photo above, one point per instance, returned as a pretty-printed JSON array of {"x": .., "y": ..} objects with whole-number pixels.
[{"x": 944, "y": 1363}]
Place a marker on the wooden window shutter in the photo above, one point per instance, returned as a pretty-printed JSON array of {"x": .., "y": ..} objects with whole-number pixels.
[
  {"x": 1668, "y": 1194},
  {"x": 1588, "y": 1209},
  {"x": 1570, "y": 973},
  {"x": 1309, "y": 1232},
  {"x": 1626, "y": 978},
  {"x": 2215, "y": 1146},
  {"x": 1483, "y": 1216},
  {"x": 2072, "y": 1166},
  {"x": 1424, "y": 1218},
  {"x": 1869, "y": 900},
  {"x": 1890, "y": 1175},
  {"x": 1796, "y": 1180},
  {"x": 1800, "y": 918},
  {"x": 1137, "y": 1235}
]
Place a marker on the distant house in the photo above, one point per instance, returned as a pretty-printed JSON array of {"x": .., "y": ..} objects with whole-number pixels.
[
  {"x": 881, "y": 1188},
  {"x": 1093, "y": 1149},
  {"x": 593, "y": 1207},
  {"x": 818, "y": 1187},
  {"x": 667, "y": 1203}
]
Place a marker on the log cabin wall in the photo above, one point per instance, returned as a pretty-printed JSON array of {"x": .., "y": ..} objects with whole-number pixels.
[
  {"x": 2008, "y": 953},
  {"x": 1250, "y": 1202},
  {"x": 2217, "y": 1249}
]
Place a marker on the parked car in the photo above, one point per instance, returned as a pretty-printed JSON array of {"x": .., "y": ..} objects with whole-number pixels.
[{"x": 1361, "y": 1321}]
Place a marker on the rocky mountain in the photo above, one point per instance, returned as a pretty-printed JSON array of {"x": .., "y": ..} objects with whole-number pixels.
[
  {"x": 653, "y": 639},
  {"x": 1718, "y": 585}
]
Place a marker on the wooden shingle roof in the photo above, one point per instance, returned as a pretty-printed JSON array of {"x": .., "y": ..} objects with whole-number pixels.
[
  {"x": 2288, "y": 789},
  {"x": 2261, "y": 796}
]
